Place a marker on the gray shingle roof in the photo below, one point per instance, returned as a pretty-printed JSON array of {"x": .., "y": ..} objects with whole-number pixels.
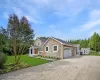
[
  {"x": 43, "y": 40},
  {"x": 62, "y": 41}
]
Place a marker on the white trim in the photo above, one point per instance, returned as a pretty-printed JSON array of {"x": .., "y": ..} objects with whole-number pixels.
[
  {"x": 57, "y": 41},
  {"x": 46, "y": 42},
  {"x": 48, "y": 49},
  {"x": 61, "y": 42},
  {"x": 53, "y": 48},
  {"x": 62, "y": 51},
  {"x": 51, "y": 38}
]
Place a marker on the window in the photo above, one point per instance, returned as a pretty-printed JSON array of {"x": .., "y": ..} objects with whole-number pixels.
[
  {"x": 55, "y": 48},
  {"x": 47, "y": 49}
]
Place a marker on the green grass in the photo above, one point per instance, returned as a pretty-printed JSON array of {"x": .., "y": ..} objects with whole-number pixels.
[
  {"x": 94, "y": 53},
  {"x": 26, "y": 59}
]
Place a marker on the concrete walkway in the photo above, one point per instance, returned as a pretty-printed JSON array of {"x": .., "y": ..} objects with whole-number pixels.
[{"x": 76, "y": 68}]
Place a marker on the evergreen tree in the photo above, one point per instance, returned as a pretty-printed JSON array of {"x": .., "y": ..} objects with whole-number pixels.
[{"x": 94, "y": 42}]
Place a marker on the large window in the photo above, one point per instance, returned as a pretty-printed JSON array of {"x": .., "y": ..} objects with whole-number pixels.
[
  {"x": 55, "y": 48},
  {"x": 47, "y": 49}
]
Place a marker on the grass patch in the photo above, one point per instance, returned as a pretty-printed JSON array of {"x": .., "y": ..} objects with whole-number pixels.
[
  {"x": 26, "y": 59},
  {"x": 25, "y": 62},
  {"x": 95, "y": 53}
]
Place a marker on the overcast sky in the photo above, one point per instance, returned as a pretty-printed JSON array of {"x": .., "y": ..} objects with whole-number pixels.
[{"x": 65, "y": 19}]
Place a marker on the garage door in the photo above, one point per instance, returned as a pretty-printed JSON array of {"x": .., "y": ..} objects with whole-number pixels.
[{"x": 67, "y": 52}]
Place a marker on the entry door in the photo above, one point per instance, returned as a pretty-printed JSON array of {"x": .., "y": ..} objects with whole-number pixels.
[
  {"x": 67, "y": 52},
  {"x": 35, "y": 51}
]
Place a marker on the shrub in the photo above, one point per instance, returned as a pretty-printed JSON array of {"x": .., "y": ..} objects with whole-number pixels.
[{"x": 3, "y": 59}]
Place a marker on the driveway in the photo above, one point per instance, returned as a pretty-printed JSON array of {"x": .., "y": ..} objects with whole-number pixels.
[{"x": 76, "y": 68}]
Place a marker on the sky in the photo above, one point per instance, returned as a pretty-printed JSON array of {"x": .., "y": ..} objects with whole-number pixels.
[{"x": 65, "y": 19}]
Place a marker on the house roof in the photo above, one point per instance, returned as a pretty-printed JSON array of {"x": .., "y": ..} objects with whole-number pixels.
[
  {"x": 43, "y": 40},
  {"x": 62, "y": 41},
  {"x": 59, "y": 40}
]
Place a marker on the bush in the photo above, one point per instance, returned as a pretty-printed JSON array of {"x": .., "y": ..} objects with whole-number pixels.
[{"x": 3, "y": 59}]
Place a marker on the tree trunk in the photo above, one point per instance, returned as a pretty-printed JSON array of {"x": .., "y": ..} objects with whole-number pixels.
[{"x": 14, "y": 49}]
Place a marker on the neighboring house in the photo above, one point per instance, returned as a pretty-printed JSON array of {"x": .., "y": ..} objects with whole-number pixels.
[
  {"x": 85, "y": 50},
  {"x": 53, "y": 47}
]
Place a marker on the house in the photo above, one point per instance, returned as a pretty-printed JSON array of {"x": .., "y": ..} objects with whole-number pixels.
[
  {"x": 53, "y": 47},
  {"x": 36, "y": 48},
  {"x": 85, "y": 50}
]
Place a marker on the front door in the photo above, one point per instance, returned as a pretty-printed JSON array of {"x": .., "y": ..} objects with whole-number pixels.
[{"x": 35, "y": 51}]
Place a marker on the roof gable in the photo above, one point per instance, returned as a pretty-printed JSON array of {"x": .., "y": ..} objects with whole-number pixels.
[
  {"x": 58, "y": 40},
  {"x": 43, "y": 40}
]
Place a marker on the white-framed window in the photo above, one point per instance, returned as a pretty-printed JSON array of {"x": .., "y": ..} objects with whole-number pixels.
[
  {"x": 55, "y": 48},
  {"x": 46, "y": 49}
]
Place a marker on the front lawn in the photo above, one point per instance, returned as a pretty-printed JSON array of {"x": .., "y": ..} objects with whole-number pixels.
[
  {"x": 25, "y": 61},
  {"x": 28, "y": 60}
]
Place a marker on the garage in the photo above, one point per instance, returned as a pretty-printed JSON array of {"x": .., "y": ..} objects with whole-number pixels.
[{"x": 67, "y": 52}]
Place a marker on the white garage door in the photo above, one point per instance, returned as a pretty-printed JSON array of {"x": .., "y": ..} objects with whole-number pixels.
[{"x": 67, "y": 52}]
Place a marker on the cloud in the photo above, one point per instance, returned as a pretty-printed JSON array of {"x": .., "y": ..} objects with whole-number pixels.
[
  {"x": 94, "y": 20},
  {"x": 94, "y": 15},
  {"x": 90, "y": 25},
  {"x": 21, "y": 9},
  {"x": 61, "y": 14},
  {"x": 71, "y": 8},
  {"x": 33, "y": 20},
  {"x": 31, "y": 8},
  {"x": 64, "y": 8},
  {"x": 52, "y": 26}
]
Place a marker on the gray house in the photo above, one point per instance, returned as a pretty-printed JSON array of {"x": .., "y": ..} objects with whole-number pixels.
[{"x": 53, "y": 47}]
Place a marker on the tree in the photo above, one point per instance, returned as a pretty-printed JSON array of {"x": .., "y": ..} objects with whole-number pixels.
[
  {"x": 83, "y": 42},
  {"x": 20, "y": 33},
  {"x": 3, "y": 38},
  {"x": 94, "y": 42}
]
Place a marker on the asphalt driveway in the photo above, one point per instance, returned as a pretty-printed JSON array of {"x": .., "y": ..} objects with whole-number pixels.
[{"x": 76, "y": 68}]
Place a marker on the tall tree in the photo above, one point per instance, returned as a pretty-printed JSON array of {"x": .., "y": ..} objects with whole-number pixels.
[
  {"x": 94, "y": 41},
  {"x": 20, "y": 33}
]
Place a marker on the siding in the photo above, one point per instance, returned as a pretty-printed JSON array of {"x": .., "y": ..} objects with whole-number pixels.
[
  {"x": 51, "y": 53},
  {"x": 38, "y": 42}
]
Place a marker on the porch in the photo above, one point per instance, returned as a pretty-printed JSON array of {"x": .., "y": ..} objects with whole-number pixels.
[{"x": 34, "y": 50}]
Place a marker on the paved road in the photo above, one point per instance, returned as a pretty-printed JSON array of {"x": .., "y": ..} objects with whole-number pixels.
[{"x": 76, "y": 68}]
